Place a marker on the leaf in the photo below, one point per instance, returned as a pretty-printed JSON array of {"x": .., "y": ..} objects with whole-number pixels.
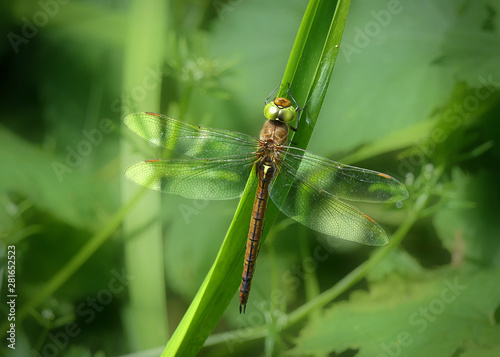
[
  {"x": 398, "y": 262},
  {"x": 384, "y": 50},
  {"x": 471, "y": 47},
  {"x": 436, "y": 315},
  {"x": 468, "y": 226},
  {"x": 55, "y": 184}
]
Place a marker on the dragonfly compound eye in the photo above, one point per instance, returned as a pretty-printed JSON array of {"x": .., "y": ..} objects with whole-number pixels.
[
  {"x": 280, "y": 110},
  {"x": 287, "y": 115},
  {"x": 271, "y": 111}
]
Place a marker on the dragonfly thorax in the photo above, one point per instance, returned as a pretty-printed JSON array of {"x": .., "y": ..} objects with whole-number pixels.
[
  {"x": 274, "y": 133},
  {"x": 280, "y": 109}
]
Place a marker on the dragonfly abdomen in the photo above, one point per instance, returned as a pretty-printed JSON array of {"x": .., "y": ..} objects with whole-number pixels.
[{"x": 265, "y": 173}]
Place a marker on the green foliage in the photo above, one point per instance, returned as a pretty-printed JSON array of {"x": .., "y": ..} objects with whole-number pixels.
[
  {"x": 435, "y": 313},
  {"x": 414, "y": 93}
]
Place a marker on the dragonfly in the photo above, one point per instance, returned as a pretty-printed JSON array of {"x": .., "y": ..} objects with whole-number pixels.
[{"x": 215, "y": 164}]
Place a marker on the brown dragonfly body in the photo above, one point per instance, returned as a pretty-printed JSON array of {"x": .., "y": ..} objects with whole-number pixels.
[{"x": 273, "y": 135}]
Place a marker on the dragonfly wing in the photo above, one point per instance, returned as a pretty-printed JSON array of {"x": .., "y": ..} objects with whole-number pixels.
[
  {"x": 343, "y": 181},
  {"x": 212, "y": 179},
  {"x": 319, "y": 210},
  {"x": 191, "y": 140},
  {"x": 310, "y": 189}
]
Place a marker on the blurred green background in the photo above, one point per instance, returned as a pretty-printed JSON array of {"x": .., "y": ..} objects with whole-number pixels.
[{"x": 415, "y": 94}]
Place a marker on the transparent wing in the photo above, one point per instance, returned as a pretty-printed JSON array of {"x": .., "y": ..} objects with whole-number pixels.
[
  {"x": 343, "y": 181},
  {"x": 212, "y": 179},
  {"x": 191, "y": 140},
  {"x": 309, "y": 189}
]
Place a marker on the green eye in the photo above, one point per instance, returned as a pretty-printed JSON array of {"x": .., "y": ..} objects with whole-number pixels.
[
  {"x": 280, "y": 109},
  {"x": 287, "y": 115},
  {"x": 271, "y": 111}
]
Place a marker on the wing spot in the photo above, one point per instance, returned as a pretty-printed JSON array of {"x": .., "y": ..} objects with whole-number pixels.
[
  {"x": 151, "y": 113},
  {"x": 384, "y": 175},
  {"x": 152, "y": 160},
  {"x": 371, "y": 219}
]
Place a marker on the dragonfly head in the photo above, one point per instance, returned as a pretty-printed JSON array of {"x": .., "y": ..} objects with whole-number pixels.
[{"x": 280, "y": 109}]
